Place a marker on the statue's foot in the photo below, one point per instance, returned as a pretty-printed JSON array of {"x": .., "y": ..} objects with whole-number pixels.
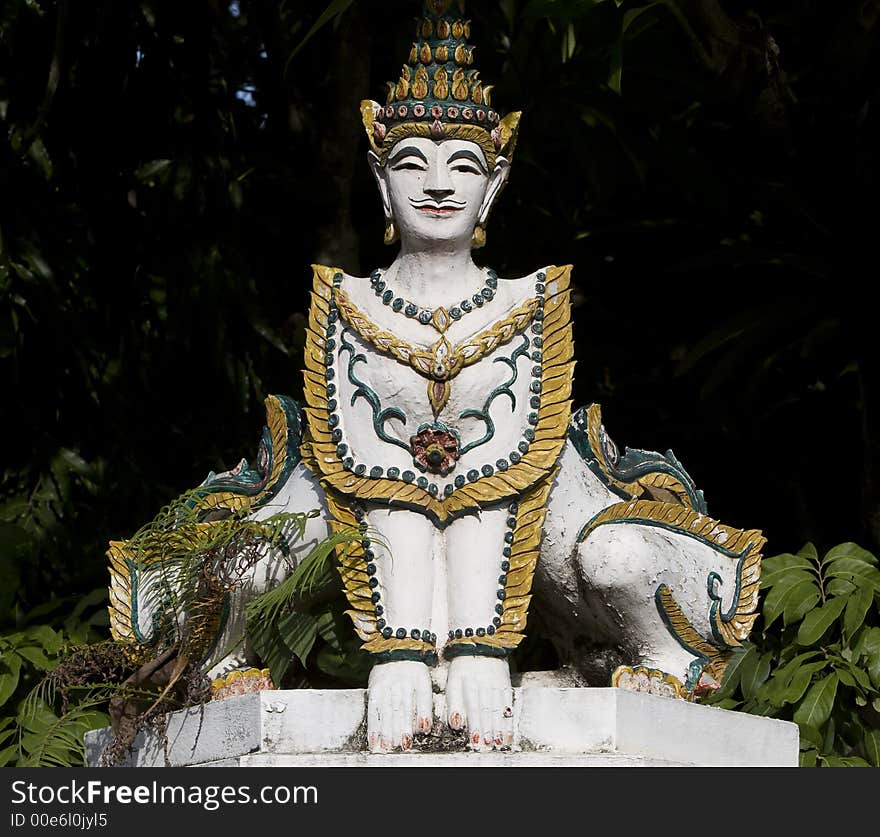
[
  {"x": 241, "y": 681},
  {"x": 651, "y": 681},
  {"x": 399, "y": 705},
  {"x": 480, "y": 700}
]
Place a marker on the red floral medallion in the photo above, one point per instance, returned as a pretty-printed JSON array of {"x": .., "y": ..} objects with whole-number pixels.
[{"x": 436, "y": 450}]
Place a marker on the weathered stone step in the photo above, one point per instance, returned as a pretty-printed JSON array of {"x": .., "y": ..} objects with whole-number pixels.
[{"x": 552, "y": 726}]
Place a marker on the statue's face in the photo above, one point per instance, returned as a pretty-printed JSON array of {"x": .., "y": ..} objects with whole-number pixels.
[{"x": 436, "y": 191}]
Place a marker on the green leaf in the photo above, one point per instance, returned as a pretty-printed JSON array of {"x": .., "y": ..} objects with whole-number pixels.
[
  {"x": 51, "y": 641},
  {"x": 350, "y": 664},
  {"x": 8, "y": 754},
  {"x": 334, "y": 627},
  {"x": 874, "y": 669},
  {"x": 848, "y": 761},
  {"x": 802, "y": 678},
  {"x": 787, "y": 577},
  {"x": 271, "y": 649},
  {"x": 630, "y": 17},
  {"x": 615, "y": 69},
  {"x": 733, "y": 672},
  {"x": 726, "y": 703},
  {"x": 818, "y": 703},
  {"x": 16, "y": 544},
  {"x": 856, "y": 608},
  {"x": 854, "y": 571},
  {"x": 569, "y": 43},
  {"x": 871, "y": 745},
  {"x": 10, "y": 666},
  {"x": 808, "y": 758},
  {"x": 849, "y": 551},
  {"x": 36, "y": 656},
  {"x": 755, "y": 672},
  {"x": 51, "y": 740},
  {"x": 791, "y": 592},
  {"x": 829, "y": 737},
  {"x": 96, "y": 597},
  {"x": 867, "y": 643},
  {"x": 299, "y": 632},
  {"x": 40, "y": 155},
  {"x": 150, "y": 171},
  {"x": 782, "y": 674},
  {"x": 44, "y": 609},
  {"x": 786, "y": 561},
  {"x": 817, "y": 622},
  {"x": 800, "y": 601},
  {"x": 839, "y": 587},
  {"x": 809, "y": 551},
  {"x": 810, "y": 737}
]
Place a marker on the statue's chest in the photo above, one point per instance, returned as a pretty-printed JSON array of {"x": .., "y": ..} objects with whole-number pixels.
[
  {"x": 455, "y": 423},
  {"x": 448, "y": 419}
]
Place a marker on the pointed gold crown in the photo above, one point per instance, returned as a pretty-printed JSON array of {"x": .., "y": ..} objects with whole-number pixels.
[{"x": 439, "y": 95}]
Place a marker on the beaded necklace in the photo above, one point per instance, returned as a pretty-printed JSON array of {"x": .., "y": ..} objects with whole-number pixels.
[{"x": 437, "y": 317}]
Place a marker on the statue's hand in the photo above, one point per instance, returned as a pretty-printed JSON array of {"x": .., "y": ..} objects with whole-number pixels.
[
  {"x": 399, "y": 705},
  {"x": 479, "y": 698}
]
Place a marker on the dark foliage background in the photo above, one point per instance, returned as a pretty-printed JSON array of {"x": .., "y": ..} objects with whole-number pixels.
[{"x": 169, "y": 170}]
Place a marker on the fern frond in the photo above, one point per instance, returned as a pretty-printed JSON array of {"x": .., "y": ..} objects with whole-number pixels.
[
  {"x": 48, "y": 740},
  {"x": 305, "y": 580}
]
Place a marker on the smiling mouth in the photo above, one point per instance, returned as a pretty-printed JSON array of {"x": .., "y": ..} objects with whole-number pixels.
[{"x": 440, "y": 210}]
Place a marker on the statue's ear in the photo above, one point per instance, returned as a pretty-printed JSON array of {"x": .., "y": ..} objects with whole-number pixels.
[
  {"x": 497, "y": 181},
  {"x": 381, "y": 175}
]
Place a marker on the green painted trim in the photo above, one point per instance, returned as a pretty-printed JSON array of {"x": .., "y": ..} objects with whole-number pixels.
[
  {"x": 633, "y": 465},
  {"x": 429, "y": 658},
  {"x": 501, "y": 389},
  {"x": 135, "y": 625},
  {"x": 476, "y": 650},
  {"x": 250, "y": 481},
  {"x": 642, "y": 521},
  {"x": 716, "y": 599},
  {"x": 380, "y": 416},
  {"x": 695, "y": 668}
]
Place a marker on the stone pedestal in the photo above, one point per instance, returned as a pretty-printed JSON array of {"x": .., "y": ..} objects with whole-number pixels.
[{"x": 552, "y": 726}]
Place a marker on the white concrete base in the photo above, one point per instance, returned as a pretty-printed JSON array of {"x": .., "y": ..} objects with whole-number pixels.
[{"x": 552, "y": 727}]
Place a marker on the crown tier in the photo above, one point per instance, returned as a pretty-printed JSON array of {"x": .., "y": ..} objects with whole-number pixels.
[{"x": 439, "y": 92}]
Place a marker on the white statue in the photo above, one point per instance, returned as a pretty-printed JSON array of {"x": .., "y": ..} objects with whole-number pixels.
[{"x": 438, "y": 416}]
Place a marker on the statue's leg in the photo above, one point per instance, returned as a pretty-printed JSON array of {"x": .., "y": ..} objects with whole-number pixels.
[
  {"x": 645, "y": 584},
  {"x": 301, "y": 493},
  {"x": 399, "y": 702},
  {"x": 671, "y": 599},
  {"x": 478, "y": 692},
  {"x": 585, "y": 635}
]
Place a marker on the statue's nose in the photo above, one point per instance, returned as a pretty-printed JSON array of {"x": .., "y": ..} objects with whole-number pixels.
[
  {"x": 438, "y": 184},
  {"x": 438, "y": 193}
]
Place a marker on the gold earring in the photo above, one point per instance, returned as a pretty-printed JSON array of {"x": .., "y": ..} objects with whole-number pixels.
[
  {"x": 479, "y": 238},
  {"x": 390, "y": 232}
]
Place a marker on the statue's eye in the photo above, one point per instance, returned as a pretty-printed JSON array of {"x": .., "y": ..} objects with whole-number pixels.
[
  {"x": 408, "y": 167},
  {"x": 466, "y": 169}
]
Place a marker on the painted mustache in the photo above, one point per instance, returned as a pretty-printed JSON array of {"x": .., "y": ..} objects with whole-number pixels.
[{"x": 444, "y": 206}]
